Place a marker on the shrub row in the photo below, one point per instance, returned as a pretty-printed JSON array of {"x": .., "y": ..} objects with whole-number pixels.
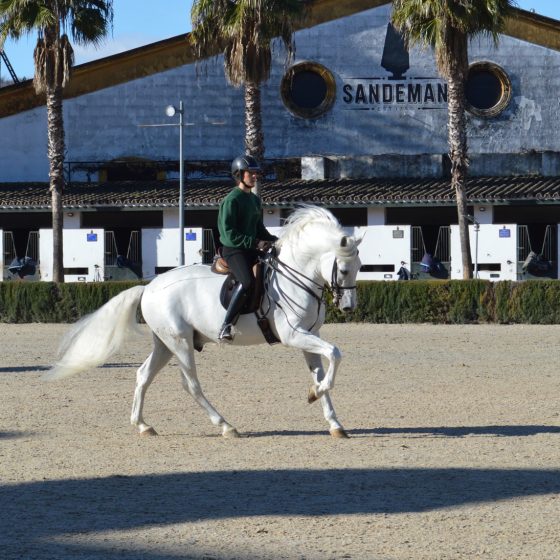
[
  {"x": 46, "y": 302},
  {"x": 454, "y": 301}
]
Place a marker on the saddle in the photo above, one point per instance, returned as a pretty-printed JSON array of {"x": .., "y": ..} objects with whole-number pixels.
[{"x": 254, "y": 301}]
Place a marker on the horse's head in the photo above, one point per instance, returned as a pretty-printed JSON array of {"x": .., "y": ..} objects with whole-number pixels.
[
  {"x": 344, "y": 269},
  {"x": 316, "y": 248}
]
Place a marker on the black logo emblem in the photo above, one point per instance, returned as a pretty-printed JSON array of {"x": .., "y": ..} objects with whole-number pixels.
[{"x": 395, "y": 54}]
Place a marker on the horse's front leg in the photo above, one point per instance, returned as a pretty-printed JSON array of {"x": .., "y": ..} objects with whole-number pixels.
[
  {"x": 318, "y": 373},
  {"x": 309, "y": 342}
]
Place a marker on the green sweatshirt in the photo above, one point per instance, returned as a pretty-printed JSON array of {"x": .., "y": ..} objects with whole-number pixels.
[{"x": 240, "y": 220}]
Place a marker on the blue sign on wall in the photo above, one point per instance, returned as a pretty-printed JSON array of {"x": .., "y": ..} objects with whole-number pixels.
[
  {"x": 190, "y": 236},
  {"x": 505, "y": 232},
  {"x": 92, "y": 236}
]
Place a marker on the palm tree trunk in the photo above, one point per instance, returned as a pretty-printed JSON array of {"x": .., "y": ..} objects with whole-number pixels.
[
  {"x": 457, "y": 136},
  {"x": 254, "y": 137},
  {"x": 55, "y": 132}
]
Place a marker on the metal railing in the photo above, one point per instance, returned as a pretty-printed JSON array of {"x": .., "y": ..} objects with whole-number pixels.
[
  {"x": 442, "y": 250},
  {"x": 208, "y": 246},
  {"x": 32, "y": 249},
  {"x": 418, "y": 249},
  {"x": 524, "y": 245},
  {"x": 111, "y": 250},
  {"x": 9, "y": 247},
  {"x": 133, "y": 251},
  {"x": 443, "y": 244}
]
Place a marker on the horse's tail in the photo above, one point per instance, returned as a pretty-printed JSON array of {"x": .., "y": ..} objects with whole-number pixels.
[{"x": 95, "y": 337}]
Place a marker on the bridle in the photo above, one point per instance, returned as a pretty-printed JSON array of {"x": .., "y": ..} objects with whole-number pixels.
[
  {"x": 335, "y": 288},
  {"x": 303, "y": 281}
]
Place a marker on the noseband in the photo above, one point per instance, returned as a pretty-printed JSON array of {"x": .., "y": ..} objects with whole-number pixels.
[{"x": 335, "y": 288}]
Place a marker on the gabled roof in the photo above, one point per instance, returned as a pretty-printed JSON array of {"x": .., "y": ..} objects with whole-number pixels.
[
  {"x": 176, "y": 51},
  {"x": 207, "y": 194}
]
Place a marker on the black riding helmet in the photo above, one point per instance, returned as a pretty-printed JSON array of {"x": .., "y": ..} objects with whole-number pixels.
[{"x": 244, "y": 163}]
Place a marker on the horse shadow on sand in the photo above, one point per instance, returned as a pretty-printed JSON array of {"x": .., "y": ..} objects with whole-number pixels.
[
  {"x": 14, "y": 434},
  {"x": 462, "y": 431},
  {"x": 22, "y": 369},
  {"x": 27, "y": 369},
  {"x": 35, "y": 515},
  {"x": 433, "y": 431}
]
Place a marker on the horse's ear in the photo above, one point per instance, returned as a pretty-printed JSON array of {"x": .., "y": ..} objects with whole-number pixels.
[
  {"x": 361, "y": 238},
  {"x": 345, "y": 241}
]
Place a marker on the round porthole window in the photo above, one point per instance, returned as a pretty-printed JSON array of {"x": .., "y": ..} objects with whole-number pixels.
[
  {"x": 308, "y": 89},
  {"x": 488, "y": 89}
]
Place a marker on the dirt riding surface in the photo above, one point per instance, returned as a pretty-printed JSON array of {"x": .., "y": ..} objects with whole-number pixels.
[{"x": 454, "y": 451}]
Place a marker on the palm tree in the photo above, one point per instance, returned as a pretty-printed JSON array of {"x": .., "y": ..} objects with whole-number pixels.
[
  {"x": 446, "y": 26},
  {"x": 88, "y": 22},
  {"x": 243, "y": 31}
]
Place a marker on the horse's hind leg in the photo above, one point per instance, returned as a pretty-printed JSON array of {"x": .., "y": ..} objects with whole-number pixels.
[
  {"x": 144, "y": 376},
  {"x": 184, "y": 351},
  {"x": 318, "y": 373}
]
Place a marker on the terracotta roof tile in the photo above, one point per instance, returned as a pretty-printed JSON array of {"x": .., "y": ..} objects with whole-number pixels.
[{"x": 329, "y": 192}]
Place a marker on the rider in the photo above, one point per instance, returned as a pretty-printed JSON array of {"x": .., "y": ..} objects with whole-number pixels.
[{"x": 241, "y": 229}]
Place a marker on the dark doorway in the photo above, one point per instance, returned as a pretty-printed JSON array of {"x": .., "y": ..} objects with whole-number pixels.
[{"x": 19, "y": 245}]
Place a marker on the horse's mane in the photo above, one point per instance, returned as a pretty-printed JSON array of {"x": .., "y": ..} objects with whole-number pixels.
[{"x": 322, "y": 232}]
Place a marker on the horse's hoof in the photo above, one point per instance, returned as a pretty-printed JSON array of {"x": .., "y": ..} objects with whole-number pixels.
[
  {"x": 312, "y": 395},
  {"x": 231, "y": 433},
  {"x": 149, "y": 432},
  {"x": 339, "y": 433}
]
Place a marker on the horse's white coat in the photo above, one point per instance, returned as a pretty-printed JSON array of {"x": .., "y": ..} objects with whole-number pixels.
[{"x": 182, "y": 309}]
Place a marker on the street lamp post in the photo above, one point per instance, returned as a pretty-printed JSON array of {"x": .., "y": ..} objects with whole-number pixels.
[
  {"x": 476, "y": 230},
  {"x": 170, "y": 112},
  {"x": 476, "y": 225}
]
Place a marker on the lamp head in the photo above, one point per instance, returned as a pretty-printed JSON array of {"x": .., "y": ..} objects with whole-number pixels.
[{"x": 170, "y": 111}]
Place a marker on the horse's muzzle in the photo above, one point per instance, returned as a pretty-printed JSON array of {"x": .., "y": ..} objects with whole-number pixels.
[{"x": 347, "y": 301}]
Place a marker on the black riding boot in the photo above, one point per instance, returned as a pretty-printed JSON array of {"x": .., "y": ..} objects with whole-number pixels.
[{"x": 238, "y": 298}]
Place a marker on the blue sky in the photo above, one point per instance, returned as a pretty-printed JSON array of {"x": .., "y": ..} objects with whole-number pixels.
[{"x": 139, "y": 22}]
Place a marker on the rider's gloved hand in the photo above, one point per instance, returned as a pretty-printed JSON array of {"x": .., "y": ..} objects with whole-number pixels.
[{"x": 264, "y": 246}]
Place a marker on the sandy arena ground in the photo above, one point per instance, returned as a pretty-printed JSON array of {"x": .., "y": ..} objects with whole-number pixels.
[{"x": 454, "y": 451}]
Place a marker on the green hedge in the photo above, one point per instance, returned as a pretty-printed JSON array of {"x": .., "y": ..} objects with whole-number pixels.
[
  {"x": 46, "y": 302},
  {"x": 455, "y": 301},
  {"x": 417, "y": 301}
]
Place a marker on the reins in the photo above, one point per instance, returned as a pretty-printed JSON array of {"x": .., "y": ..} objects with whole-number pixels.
[
  {"x": 293, "y": 275},
  {"x": 299, "y": 279}
]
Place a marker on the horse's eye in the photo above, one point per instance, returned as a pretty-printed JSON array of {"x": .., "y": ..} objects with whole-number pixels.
[{"x": 343, "y": 272}]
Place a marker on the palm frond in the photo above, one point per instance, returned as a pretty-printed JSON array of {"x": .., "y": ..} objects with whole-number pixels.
[
  {"x": 41, "y": 76},
  {"x": 446, "y": 25},
  {"x": 65, "y": 59},
  {"x": 90, "y": 23},
  {"x": 244, "y": 31},
  {"x": 86, "y": 20}
]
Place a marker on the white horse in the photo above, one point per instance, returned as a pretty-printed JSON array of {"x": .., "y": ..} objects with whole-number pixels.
[{"x": 183, "y": 311}]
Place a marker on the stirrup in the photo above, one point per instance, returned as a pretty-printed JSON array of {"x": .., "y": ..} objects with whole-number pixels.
[{"x": 225, "y": 333}]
